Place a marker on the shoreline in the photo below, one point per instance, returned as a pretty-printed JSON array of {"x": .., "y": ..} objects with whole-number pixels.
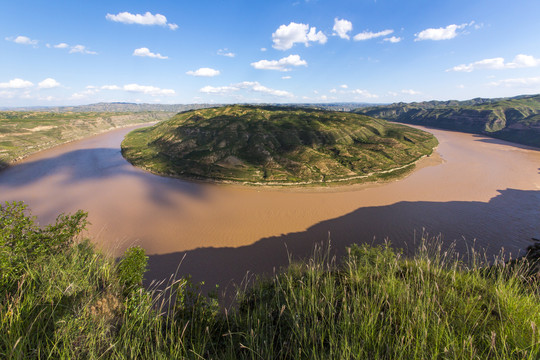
[{"x": 352, "y": 183}]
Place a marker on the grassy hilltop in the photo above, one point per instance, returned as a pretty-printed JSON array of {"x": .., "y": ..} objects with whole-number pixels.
[
  {"x": 514, "y": 119},
  {"x": 275, "y": 145}
]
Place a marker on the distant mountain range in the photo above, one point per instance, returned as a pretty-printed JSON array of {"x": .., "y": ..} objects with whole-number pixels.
[
  {"x": 515, "y": 119},
  {"x": 176, "y": 108}
]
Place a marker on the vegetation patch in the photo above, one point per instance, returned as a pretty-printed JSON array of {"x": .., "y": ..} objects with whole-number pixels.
[
  {"x": 61, "y": 299},
  {"x": 275, "y": 145},
  {"x": 25, "y": 132}
]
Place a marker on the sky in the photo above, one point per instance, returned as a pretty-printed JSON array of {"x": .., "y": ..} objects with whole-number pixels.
[{"x": 257, "y": 51}]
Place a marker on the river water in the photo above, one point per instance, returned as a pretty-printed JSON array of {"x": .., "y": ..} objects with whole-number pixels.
[{"x": 472, "y": 190}]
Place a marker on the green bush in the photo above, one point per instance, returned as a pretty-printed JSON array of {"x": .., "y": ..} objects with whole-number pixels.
[{"x": 132, "y": 267}]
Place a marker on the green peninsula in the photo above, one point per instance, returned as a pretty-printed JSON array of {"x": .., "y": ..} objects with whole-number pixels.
[{"x": 271, "y": 145}]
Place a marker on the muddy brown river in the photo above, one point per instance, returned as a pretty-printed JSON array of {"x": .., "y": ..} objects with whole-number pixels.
[{"x": 473, "y": 190}]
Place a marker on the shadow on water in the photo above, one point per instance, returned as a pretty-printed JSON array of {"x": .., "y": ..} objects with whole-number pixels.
[
  {"x": 493, "y": 140},
  {"x": 508, "y": 220},
  {"x": 87, "y": 165}
]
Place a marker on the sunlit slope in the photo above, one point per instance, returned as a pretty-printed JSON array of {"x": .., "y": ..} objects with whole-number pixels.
[
  {"x": 258, "y": 144},
  {"x": 515, "y": 119}
]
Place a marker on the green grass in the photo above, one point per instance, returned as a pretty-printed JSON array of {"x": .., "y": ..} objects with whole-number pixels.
[
  {"x": 264, "y": 145},
  {"x": 63, "y": 299},
  {"x": 23, "y": 132}
]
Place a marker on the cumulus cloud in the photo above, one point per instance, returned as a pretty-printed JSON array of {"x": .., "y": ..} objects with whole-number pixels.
[
  {"x": 24, "y": 40},
  {"x": 393, "y": 39},
  {"x": 81, "y": 49},
  {"x": 342, "y": 27},
  {"x": 246, "y": 85},
  {"x": 226, "y": 52},
  {"x": 344, "y": 86},
  {"x": 145, "y": 52},
  {"x": 206, "y": 72},
  {"x": 16, "y": 84},
  {"x": 531, "y": 82},
  {"x": 446, "y": 33},
  {"x": 283, "y": 64},
  {"x": 520, "y": 61},
  {"x": 287, "y": 35},
  {"x": 61, "y": 46},
  {"x": 367, "y": 35},
  {"x": 48, "y": 83},
  {"x": 150, "y": 90},
  {"x": 145, "y": 19}
]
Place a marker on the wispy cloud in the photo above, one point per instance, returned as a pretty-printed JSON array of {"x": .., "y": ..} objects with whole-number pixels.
[
  {"x": 246, "y": 85},
  {"x": 367, "y": 35},
  {"x": 393, "y": 39},
  {"x": 149, "y": 90},
  {"x": 226, "y": 52},
  {"x": 147, "y": 18},
  {"x": 283, "y": 64},
  {"x": 204, "y": 72},
  {"x": 287, "y": 35},
  {"x": 498, "y": 63},
  {"x": 145, "y": 52},
  {"x": 81, "y": 49},
  {"x": 529, "y": 83}
]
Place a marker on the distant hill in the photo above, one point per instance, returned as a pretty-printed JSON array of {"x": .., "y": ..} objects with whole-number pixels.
[
  {"x": 122, "y": 107},
  {"x": 275, "y": 145},
  {"x": 134, "y": 107},
  {"x": 515, "y": 119}
]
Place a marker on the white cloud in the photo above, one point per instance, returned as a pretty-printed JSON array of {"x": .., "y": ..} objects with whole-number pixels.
[
  {"x": 48, "y": 83},
  {"x": 16, "y": 84},
  {"x": 246, "y": 85},
  {"x": 81, "y": 49},
  {"x": 150, "y": 90},
  {"x": 342, "y": 28},
  {"x": 333, "y": 91},
  {"x": 146, "y": 19},
  {"x": 111, "y": 87},
  {"x": 287, "y": 35},
  {"x": 344, "y": 86},
  {"x": 24, "y": 40},
  {"x": 263, "y": 49},
  {"x": 286, "y": 77},
  {"x": 393, "y": 39},
  {"x": 531, "y": 82},
  {"x": 145, "y": 52},
  {"x": 206, "y": 72},
  {"x": 520, "y": 61},
  {"x": 61, "y": 46},
  {"x": 410, "y": 92},
  {"x": 364, "y": 93},
  {"x": 283, "y": 64},
  {"x": 226, "y": 52},
  {"x": 366, "y": 35},
  {"x": 449, "y": 32}
]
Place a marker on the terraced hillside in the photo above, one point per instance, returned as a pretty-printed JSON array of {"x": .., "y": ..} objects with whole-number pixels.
[
  {"x": 514, "y": 119},
  {"x": 275, "y": 145}
]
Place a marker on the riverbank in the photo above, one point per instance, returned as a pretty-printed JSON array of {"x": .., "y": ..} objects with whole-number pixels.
[
  {"x": 25, "y": 133},
  {"x": 371, "y": 303}
]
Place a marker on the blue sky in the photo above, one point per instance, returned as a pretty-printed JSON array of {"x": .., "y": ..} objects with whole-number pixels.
[{"x": 175, "y": 51}]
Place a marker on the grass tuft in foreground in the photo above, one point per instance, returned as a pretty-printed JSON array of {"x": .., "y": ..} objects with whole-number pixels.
[{"x": 60, "y": 298}]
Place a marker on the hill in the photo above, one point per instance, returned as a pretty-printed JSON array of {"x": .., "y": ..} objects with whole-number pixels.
[
  {"x": 514, "y": 119},
  {"x": 275, "y": 145}
]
